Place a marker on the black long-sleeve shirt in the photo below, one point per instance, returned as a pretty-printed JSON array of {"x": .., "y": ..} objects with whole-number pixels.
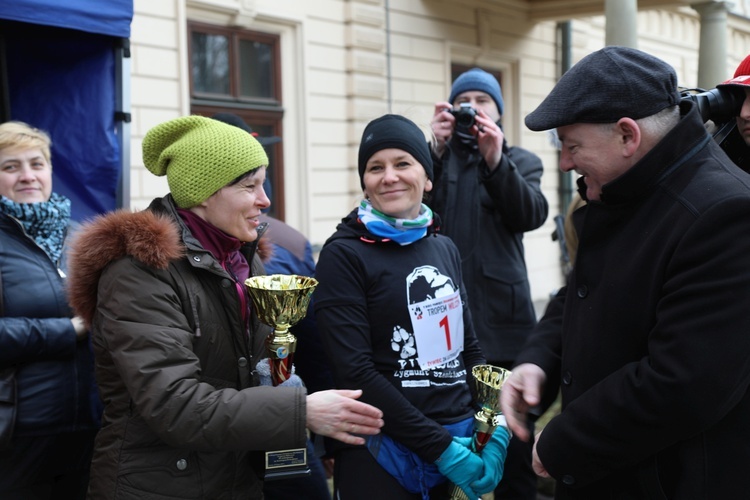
[{"x": 369, "y": 290}]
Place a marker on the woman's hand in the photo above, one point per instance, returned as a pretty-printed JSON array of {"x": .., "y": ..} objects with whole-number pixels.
[
  {"x": 80, "y": 327},
  {"x": 338, "y": 414}
]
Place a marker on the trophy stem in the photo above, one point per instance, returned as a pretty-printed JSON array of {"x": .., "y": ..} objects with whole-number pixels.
[
  {"x": 281, "y": 346},
  {"x": 484, "y": 426}
]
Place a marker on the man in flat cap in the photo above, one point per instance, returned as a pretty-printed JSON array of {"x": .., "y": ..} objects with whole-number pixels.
[{"x": 649, "y": 341}]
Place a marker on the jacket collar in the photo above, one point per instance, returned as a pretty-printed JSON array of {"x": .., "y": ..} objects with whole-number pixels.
[
  {"x": 220, "y": 244},
  {"x": 167, "y": 205}
]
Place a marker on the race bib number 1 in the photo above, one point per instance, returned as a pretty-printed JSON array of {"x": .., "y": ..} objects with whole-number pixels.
[{"x": 438, "y": 329}]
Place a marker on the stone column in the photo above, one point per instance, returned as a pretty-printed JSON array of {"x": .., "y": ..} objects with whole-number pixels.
[
  {"x": 712, "y": 54},
  {"x": 622, "y": 22}
]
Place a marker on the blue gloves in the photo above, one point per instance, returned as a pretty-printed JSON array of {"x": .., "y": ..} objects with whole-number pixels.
[
  {"x": 461, "y": 466},
  {"x": 493, "y": 457}
]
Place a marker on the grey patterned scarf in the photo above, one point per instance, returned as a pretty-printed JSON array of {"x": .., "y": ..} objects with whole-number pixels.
[{"x": 46, "y": 221}]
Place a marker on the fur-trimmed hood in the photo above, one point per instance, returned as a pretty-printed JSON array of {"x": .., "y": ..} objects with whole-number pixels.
[{"x": 152, "y": 238}]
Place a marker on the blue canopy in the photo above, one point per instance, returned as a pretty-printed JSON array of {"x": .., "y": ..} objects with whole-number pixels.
[
  {"x": 108, "y": 17},
  {"x": 62, "y": 78}
]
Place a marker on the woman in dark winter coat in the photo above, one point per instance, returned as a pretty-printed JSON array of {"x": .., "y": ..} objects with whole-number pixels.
[
  {"x": 394, "y": 318},
  {"x": 176, "y": 339},
  {"x": 45, "y": 356}
]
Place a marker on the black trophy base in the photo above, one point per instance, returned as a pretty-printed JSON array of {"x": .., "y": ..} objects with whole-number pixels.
[{"x": 286, "y": 464}]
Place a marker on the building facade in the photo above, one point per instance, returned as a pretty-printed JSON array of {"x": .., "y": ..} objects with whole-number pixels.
[{"x": 314, "y": 72}]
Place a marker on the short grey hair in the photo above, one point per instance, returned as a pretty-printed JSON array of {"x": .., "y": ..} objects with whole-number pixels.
[{"x": 658, "y": 125}]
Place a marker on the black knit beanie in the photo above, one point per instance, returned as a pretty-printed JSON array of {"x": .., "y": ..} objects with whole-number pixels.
[{"x": 393, "y": 131}]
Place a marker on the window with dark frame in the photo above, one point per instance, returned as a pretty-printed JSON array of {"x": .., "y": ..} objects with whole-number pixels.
[{"x": 239, "y": 71}]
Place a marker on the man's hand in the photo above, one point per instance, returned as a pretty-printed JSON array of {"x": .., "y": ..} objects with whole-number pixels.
[
  {"x": 443, "y": 123},
  {"x": 490, "y": 139},
  {"x": 337, "y": 414},
  {"x": 536, "y": 463},
  {"x": 520, "y": 392}
]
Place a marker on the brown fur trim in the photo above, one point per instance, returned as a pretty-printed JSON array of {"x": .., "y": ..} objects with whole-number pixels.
[{"x": 150, "y": 238}]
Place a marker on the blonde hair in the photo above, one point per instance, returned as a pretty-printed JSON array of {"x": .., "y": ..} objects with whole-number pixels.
[{"x": 15, "y": 134}]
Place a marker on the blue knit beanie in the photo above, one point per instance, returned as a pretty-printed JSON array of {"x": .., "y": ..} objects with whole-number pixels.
[{"x": 477, "y": 79}]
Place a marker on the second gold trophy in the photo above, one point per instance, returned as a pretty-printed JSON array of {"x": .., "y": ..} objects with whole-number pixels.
[{"x": 488, "y": 383}]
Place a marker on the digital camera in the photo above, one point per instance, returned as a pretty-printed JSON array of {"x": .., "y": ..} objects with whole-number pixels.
[
  {"x": 721, "y": 105},
  {"x": 718, "y": 105},
  {"x": 464, "y": 117}
]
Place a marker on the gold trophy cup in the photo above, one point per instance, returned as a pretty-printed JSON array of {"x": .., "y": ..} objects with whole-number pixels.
[
  {"x": 281, "y": 301},
  {"x": 488, "y": 382}
]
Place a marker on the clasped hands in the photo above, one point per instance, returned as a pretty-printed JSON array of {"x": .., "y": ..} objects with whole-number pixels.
[{"x": 476, "y": 474}]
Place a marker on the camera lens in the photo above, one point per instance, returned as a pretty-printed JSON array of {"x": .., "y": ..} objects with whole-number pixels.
[
  {"x": 718, "y": 105},
  {"x": 465, "y": 119}
]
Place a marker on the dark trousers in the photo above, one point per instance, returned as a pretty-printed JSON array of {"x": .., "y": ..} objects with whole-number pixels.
[
  {"x": 519, "y": 480},
  {"x": 358, "y": 476},
  {"x": 47, "y": 467}
]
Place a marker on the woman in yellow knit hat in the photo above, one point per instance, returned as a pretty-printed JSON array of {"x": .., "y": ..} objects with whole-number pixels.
[{"x": 176, "y": 341}]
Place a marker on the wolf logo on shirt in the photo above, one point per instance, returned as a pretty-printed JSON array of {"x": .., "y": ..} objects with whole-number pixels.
[
  {"x": 423, "y": 283},
  {"x": 426, "y": 282}
]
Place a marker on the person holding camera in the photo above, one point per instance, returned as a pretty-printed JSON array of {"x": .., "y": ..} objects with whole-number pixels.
[
  {"x": 647, "y": 343},
  {"x": 741, "y": 81},
  {"x": 488, "y": 194}
]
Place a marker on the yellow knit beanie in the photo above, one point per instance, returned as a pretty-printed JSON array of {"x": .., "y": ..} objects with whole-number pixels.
[{"x": 199, "y": 156}]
